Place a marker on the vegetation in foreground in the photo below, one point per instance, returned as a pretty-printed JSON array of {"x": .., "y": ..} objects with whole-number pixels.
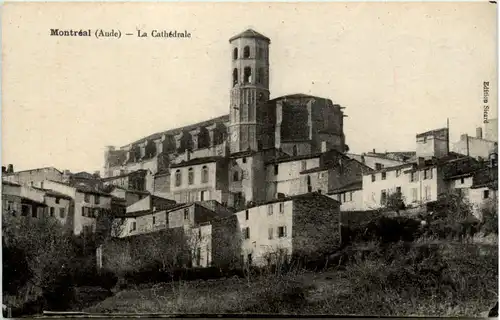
[{"x": 439, "y": 279}]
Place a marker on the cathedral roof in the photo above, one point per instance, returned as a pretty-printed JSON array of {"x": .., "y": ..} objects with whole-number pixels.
[{"x": 250, "y": 34}]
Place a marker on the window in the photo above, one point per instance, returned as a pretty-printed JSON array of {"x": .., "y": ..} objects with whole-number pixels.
[
  {"x": 259, "y": 75},
  {"x": 249, "y": 258},
  {"x": 282, "y": 207},
  {"x": 462, "y": 180},
  {"x": 413, "y": 176},
  {"x": 57, "y": 200},
  {"x": 486, "y": 194},
  {"x": 198, "y": 256},
  {"x": 202, "y": 195},
  {"x": 270, "y": 233},
  {"x": 244, "y": 160},
  {"x": 246, "y": 52},
  {"x": 235, "y": 77},
  {"x": 427, "y": 174},
  {"x": 186, "y": 214},
  {"x": 398, "y": 190},
  {"x": 414, "y": 194},
  {"x": 86, "y": 197},
  {"x": 97, "y": 199},
  {"x": 276, "y": 169},
  {"x": 52, "y": 211},
  {"x": 383, "y": 197},
  {"x": 178, "y": 178},
  {"x": 350, "y": 197},
  {"x": 282, "y": 232},
  {"x": 154, "y": 220},
  {"x": 384, "y": 175},
  {"x": 235, "y": 176},
  {"x": 133, "y": 226},
  {"x": 246, "y": 214},
  {"x": 204, "y": 174},
  {"x": 427, "y": 191},
  {"x": 247, "y": 75},
  {"x": 246, "y": 233},
  {"x": 25, "y": 209},
  {"x": 34, "y": 213},
  {"x": 294, "y": 150},
  {"x": 398, "y": 172},
  {"x": 270, "y": 209},
  {"x": 235, "y": 53},
  {"x": 303, "y": 165},
  {"x": 373, "y": 178},
  {"x": 378, "y": 166},
  {"x": 62, "y": 213},
  {"x": 343, "y": 197},
  {"x": 95, "y": 213},
  {"x": 199, "y": 233},
  {"x": 190, "y": 176}
]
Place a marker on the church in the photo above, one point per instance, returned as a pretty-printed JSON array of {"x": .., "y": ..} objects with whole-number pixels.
[{"x": 255, "y": 153}]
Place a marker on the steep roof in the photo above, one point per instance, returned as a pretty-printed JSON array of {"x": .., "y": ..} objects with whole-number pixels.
[
  {"x": 221, "y": 119},
  {"x": 250, "y": 33}
]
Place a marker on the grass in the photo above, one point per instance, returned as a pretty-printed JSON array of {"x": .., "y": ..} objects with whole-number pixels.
[{"x": 439, "y": 279}]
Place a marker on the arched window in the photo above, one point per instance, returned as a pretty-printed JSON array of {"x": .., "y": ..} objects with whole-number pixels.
[
  {"x": 246, "y": 52},
  {"x": 178, "y": 177},
  {"x": 204, "y": 174},
  {"x": 235, "y": 176},
  {"x": 235, "y": 77},
  {"x": 190, "y": 176},
  {"x": 235, "y": 53},
  {"x": 247, "y": 75}
]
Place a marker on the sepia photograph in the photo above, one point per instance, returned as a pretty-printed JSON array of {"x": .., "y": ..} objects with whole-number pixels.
[{"x": 265, "y": 158}]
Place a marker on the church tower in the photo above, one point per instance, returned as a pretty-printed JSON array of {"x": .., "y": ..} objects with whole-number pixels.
[{"x": 249, "y": 89}]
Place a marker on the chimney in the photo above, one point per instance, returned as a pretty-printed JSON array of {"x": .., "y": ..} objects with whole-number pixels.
[
  {"x": 374, "y": 150},
  {"x": 479, "y": 133},
  {"x": 97, "y": 174},
  {"x": 4, "y": 169},
  {"x": 363, "y": 159},
  {"x": 10, "y": 168}
]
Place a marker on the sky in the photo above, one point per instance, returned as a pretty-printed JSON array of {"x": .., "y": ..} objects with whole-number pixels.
[{"x": 397, "y": 68}]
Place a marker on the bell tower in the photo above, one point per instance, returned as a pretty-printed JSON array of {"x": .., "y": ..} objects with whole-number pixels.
[{"x": 249, "y": 89}]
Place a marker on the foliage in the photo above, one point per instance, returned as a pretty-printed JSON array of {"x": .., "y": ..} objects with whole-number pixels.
[
  {"x": 395, "y": 202},
  {"x": 490, "y": 219}
]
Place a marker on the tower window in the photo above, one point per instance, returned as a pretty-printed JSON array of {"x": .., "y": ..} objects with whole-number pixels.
[
  {"x": 190, "y": 176},
  {"x": 204, "y": 174},
  {"x": 247, "y": 75},
  {"x": 246, "y": 52},
  {"x": 178, "y": 178},
  {"x": 235, "y": 53},
  {"x": 235, "y": 77}
]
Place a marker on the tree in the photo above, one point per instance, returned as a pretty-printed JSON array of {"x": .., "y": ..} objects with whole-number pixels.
[{"x": 395, "y": 202}]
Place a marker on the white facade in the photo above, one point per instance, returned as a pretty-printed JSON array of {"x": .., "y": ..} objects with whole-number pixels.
[
  {"x": 351, "y": 200},
  {"x": 270, "y": 230},
  {"x": 284, "y": 177}
]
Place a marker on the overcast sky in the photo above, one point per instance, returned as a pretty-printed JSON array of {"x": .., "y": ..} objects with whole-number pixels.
[{"x": 398, "y": 69}]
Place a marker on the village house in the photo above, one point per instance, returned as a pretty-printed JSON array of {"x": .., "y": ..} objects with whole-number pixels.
[
  {"x": 301, "y": 224},
  {"x": 31, "y": 176},
  {"x": 475, "y": 146},
  {"x": 88, "y": 204},
  {"x": 199, "y": 179},
  {"x": 350, "y": 196}
]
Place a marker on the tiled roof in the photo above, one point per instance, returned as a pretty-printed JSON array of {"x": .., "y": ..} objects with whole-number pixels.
[
  {"x": 124, "y": 175},
  {"x": 221, "y": 119},
  {"x": 54, "y": 194},
  {"x": 196, "y": 161},
  {"x": 37, "y": 169},
  {"x": 351, "y": 186},
  {"x": 431, "y": 132},
  {"x": 487, "y": 177},
  {"x": 310, "y": 195},
  {"x": 250, "y": 33},
  {"x": 10, "y": 183}
]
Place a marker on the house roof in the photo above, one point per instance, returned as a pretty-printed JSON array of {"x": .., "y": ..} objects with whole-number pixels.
[
  {"x": 124, "y": 175},
  {"x": 351, "y": 186},
  {"x": 393, "y": 168},
  {"x": 12, "y": 184},
  {"x": 487, "y": 177},
  {"x": 37, "y": 169},
  {"x": 158, "y": 135},
  {"x": 431, "y": 132},
  {"x": 293, "y": 158},
  {"x": 83, "y": 188},
  {"x": 310, "y": 195},
  {"x": 54, "y": 194},
  {"x": 250, "y": 33},
  {"x": 196, "y": 161}
]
